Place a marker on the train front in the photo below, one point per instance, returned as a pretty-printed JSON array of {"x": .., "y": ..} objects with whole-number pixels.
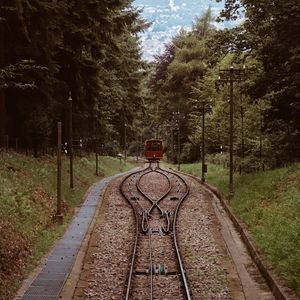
[{"x": 153, "y": 150}]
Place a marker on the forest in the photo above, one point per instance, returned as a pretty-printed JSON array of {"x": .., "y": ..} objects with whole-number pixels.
[
  {"x": 50, "y": 49},
  {"x": 91, "y": 51}
]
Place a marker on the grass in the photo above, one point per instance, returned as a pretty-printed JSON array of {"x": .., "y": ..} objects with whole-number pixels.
[
  {"x": 269, "y": 203},
  {"x": 28, "y": 202}
]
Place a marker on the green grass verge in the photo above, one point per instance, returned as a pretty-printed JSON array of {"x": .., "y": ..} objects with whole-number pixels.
[
  {"x": 269, "y": 203},
  {"x": 28, "y": 202}
]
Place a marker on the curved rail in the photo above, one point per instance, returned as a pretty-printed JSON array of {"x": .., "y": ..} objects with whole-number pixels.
[
  {"x": 145, "y": 227},
  {"x": 154, "y": 203},
  {"x": 183, "y": 273},
  {"x": 136, "y": 231}
]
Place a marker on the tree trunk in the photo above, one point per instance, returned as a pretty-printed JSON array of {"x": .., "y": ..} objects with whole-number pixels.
[{"x": 2, "y": 94}]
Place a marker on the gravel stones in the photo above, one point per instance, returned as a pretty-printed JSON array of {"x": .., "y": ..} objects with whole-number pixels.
[
  {"x": 106, "y": 264},
  {"x": 201, "y": 246},
  {"x": 107, "y": 259}
]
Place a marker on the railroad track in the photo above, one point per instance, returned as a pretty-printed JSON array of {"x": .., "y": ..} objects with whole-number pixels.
[{"x": 156, "y": 269}]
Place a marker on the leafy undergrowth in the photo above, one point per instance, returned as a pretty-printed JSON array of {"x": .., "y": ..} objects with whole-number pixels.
[
  {"x": 27, "y": 204},
  {"x": 269, "y": 203}
]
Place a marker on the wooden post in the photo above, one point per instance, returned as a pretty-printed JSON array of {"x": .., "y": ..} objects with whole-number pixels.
[
  {"x": 125, "y": 142},
  {"x": 97, "y": 171},
  {"x": 203, "y": 144},
  {"x": 71, "y": 142},
  {"x": 6, "y": 142},
  {"x": 3, "y": 131},
  {"x": 59, "y": 216}
]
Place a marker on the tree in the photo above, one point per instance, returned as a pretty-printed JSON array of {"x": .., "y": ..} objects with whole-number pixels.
[
  {"x": 272, "y": 33},
  {"x": 89, "y": 48}
]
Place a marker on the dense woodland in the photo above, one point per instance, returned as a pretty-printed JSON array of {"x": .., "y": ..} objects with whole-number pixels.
[
  {"x": 91, "y": 49},
  {"x": 51, "y": 48},
  {"x": 266, "y": 103}
]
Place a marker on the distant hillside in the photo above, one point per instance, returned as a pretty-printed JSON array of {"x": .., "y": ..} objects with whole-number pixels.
[{"x": 168, "y": 17}]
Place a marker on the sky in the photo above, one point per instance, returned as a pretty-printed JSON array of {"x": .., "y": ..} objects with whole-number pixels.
[{"x": 168, "y": 17}]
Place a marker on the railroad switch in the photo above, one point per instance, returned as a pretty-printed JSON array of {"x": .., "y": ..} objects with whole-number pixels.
[
  {"x": 161, "y": 231},
  {"x": 159, "y": 269},
  {"x": 158, "y": 231},
  {"x": 156, "y": 271}
]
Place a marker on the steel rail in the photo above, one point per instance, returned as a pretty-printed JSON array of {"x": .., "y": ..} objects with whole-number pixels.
[
  {"x": 145, "y": 220},
  {"x": 150, "y": 266},
  {"x": 154, "y": 203},
  {"x": 167, "y": 229},
  {"x": 149, "y": 232},
  {"x": 126, "y": 297},
  {"x": 180, "y": 262},
  {"x": 149, "y": 167}
]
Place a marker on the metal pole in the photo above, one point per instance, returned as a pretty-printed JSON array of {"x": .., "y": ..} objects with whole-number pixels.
[
  {"x": 125, "y": 141},
  {"x": 172, "y": 143},
  {"x": 7, "y": 142},
  {"x": 141, "y": 146},
  {"x": 243, "y": 138},
  {"x": 97, "y": 173},
  {"x": 71, "y": 141},
  {"x": 230, "y": 76},
  {"x": 261, "y": 140},
  {"x": 203, "y": 143},
  {"x": 59, "y": 216},
  {"x": 3, "y": 25},
  {"x": 231, "y": 135},
  {"x": 137, "y": 148},
  {"x": 156, "y": 117},
  {"x": 178, "y": 159}
]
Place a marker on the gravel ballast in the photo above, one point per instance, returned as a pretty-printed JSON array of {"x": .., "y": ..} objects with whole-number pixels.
[{"x": 105, "y": 268}]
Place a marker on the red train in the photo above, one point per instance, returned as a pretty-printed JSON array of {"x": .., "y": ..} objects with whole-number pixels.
[{"x": 153, "y": 149}]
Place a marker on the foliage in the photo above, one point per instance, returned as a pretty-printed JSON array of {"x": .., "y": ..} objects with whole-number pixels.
[
  {"x": 89, "y": 48},
  {"x": 184, "y": 62},
  {"x": 269, "y": 203},
  {"x": 271, "y": 32},
  {"x": 266, "y": 111},
  {"x": 28, "y": 202}
]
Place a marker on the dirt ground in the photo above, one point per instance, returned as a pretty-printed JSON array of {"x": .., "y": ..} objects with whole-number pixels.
[{"x": 210, "y": 271}]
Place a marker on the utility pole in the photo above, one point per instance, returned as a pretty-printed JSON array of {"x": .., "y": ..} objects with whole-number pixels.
[
  {"x": 70, "y": 104},
  {"x": 176, "y": 118},
  {"x": 231, "y": 76},
  {"x": 203, "y": 144},
  {"x": 96, "y": 153},
  {"x": 204, "y": 165},
  {"x": 261, "y": 135},
  {"x": 242, "y": 132},
  {"x": 242, "y": 129},
  {"x": 157, "y": 101},
  {"x": 179, "y": 149},
  {"x": 142, "y": 145},
  {"x": 137, "y": 148},
  {"x": 125, "y": 142},
  {"x": 58, "y": 217},
  {"x": 2, "y": 93},
  {"x": 201, "y": 106}
]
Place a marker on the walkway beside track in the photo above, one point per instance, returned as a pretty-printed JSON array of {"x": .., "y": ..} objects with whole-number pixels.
[{"x": 49, "y": 282}]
